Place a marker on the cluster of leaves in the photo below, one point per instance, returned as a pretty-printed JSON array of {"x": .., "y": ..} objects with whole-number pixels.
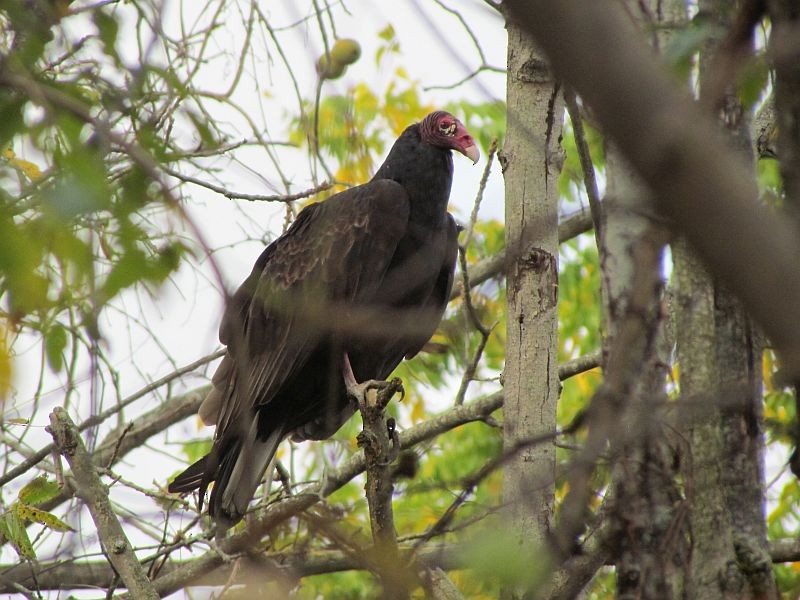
[
  {"x": 14, "y": 520},
  {"x": 83, "y": 207}
]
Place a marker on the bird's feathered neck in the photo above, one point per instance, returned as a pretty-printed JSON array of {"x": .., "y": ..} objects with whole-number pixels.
[{"x": 425, "y": 171}]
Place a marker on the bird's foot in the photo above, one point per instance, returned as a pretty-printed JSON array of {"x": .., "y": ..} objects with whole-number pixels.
[
  {"x": 382, "y": 392},
  {"x": 359, "y": 392}
]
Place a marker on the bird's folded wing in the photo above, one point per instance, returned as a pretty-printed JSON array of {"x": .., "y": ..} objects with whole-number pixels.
[{"x": 334, "y": 255}]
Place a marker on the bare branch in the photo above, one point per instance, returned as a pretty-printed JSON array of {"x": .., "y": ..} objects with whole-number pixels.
[
  {"x": 250, "y": 197},
  {"x": 89, "y": 487},
  {"x": 101, "y": 417}
]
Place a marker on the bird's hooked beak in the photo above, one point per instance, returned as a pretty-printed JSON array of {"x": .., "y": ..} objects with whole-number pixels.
[
  {"x": 464, "y": 143},
  {"x": 472, "y": 153}
]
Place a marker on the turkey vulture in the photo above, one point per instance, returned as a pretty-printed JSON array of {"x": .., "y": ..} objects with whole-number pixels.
[{"x": 357, "y": 283}]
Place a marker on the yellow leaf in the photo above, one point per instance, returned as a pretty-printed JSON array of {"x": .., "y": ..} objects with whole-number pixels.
[
  {"x": 29, "y": 169},
  {"x": 34, "y": 515}
]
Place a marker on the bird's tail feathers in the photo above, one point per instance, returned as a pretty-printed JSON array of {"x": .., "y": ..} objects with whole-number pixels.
[
  {"x": 240, "y": 472},
  {"x": 190, "y": 479}
]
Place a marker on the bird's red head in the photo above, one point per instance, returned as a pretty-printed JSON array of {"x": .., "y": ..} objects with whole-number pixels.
[{"x": 443, "y": 130}]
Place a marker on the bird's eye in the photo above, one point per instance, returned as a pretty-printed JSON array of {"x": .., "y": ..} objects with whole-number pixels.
[{"x": 447, "y": 128}]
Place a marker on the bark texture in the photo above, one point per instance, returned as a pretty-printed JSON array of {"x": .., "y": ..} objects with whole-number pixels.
[
  {"x": 531, "y": 385},
  {"x": 91, "y": 490},
  {"x": 651, "y": 550},
  {"x": 785, "y": 16},
  {"x": 730, "y": 554}
]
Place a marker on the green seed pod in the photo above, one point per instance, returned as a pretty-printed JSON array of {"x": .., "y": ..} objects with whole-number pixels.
[
  {"x": 346, "y": 51},
  {"x": 329, "y": 70}
]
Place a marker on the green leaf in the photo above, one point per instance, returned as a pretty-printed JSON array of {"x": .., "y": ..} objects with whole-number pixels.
[
  {"x": 55, "y": 341},
  {"x": 196, "y": 449},
  {"x": 753, "y": 82},
  {"x": 108, "y": 28},
  {"x": 38, "y": 490},
  {"x": 34, "y": 515},
  {"x": 12, "y": 527}
]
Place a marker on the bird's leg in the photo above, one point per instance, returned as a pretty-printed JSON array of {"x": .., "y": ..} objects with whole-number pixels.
[{"x": 359, "y": 392}]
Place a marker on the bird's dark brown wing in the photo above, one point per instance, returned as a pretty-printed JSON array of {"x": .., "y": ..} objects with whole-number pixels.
[
  {"x": 440, "y": 295},
  {"x": 335, "y": 253}
]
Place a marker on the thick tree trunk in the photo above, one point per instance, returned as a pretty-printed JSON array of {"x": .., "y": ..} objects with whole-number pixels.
[
  {"x": 650, "y": 548},
  {"x": 531, "y": 384},
  {"x": 725, "y": 477},
  {"x": 711, "y": 529}
]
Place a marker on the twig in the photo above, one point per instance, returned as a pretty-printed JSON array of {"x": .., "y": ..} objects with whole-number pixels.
[
  {"x": 89, "y": 488},
  {"x": 250, "y": 197},
  {"x": 40, "y": 455},
  {"x": 476, "y": 205},
  {"x": 570, "y": 226},
  {"x": 481, "y": 69},
  {"x": 469, "y": 372},
  {"x": 587, "y": 166}
]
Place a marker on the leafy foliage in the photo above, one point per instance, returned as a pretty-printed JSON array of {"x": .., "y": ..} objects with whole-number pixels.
[{"x": 13, "y": 521}]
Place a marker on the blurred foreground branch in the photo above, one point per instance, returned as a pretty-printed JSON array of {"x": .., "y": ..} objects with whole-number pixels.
[{"x": 698, "y": 182}]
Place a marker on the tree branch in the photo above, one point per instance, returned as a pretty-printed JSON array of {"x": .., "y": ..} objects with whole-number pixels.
[
  {"x": 379, "y": 442},
  {"x": 570, "y": 226},
  {"x": 65, "y": 575},
  {"x": 92, "y": 491},
  {"x": 100, "y": 417},
  {"x": 243, "y": 196}
]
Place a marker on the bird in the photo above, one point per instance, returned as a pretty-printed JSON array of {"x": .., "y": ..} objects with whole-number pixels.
[{"x": 357, "y": 283}]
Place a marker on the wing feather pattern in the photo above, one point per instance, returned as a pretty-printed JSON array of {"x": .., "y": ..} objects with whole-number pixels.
[{"x": 335, "y": 253}]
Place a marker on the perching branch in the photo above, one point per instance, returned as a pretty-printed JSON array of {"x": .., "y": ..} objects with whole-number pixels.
[
  {"x": 380, "y": 443},
  {"x": 92, "y": 491},
  {"x": 275, "y": 514}
]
